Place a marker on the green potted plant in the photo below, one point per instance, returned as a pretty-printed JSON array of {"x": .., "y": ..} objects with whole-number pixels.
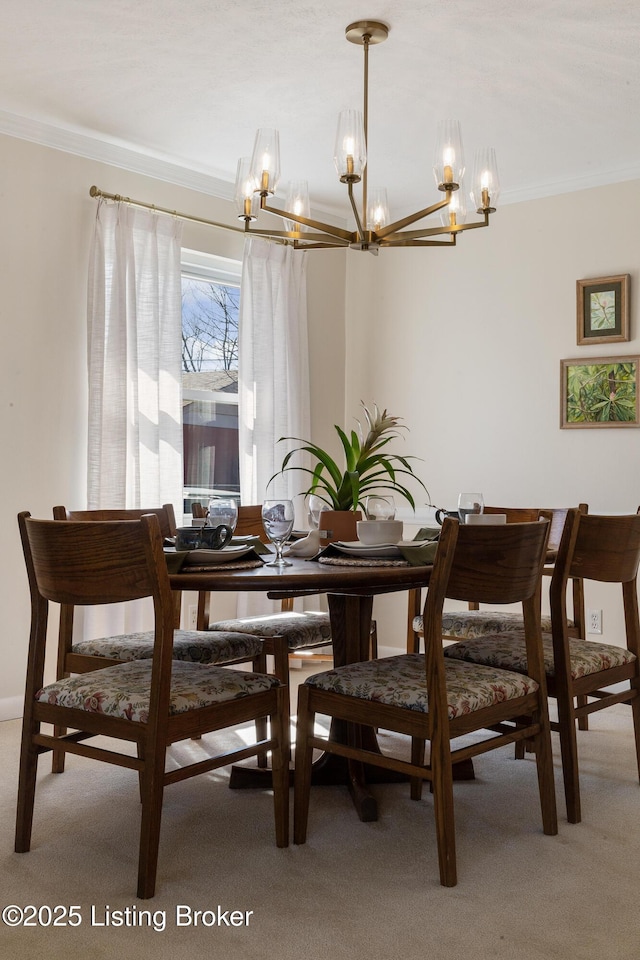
[{"x": 368, "y": 467}]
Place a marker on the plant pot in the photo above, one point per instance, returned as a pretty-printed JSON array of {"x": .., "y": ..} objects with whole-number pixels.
[{"x": 338, "y": 525}]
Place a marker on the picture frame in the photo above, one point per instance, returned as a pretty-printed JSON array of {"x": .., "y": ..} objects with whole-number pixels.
[
  {"x": 603, "y": 310},
  {"x": 600, "y": 392}
]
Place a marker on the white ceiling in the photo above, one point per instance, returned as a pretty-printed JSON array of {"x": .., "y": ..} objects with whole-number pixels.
[{"x": 553, "y": 86}]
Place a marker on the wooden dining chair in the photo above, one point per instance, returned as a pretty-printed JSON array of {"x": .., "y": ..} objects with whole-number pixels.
[
  {"x": 580, "y": 672},
  {"x": 150, "y": 703},
  {"x": 430, "y": 699},
  {"x": 302, "y": 631},
  {"x": 474, "y": 622},
  {"x": 79, "y": 655}
]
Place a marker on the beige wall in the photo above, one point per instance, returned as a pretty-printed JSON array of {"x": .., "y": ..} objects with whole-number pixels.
[
  {"x": 44, "y": 244},
  {"x": 466, "y": 344}
]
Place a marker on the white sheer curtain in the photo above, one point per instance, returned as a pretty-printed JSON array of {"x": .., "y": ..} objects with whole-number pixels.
[
  {"x": 135, "y": 361},
  {"x": 134, "y": 356},
  {"x": 273, "y": 377}
]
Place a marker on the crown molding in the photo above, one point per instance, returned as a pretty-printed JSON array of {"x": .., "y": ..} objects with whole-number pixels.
[{"x": 115, "y": 154}]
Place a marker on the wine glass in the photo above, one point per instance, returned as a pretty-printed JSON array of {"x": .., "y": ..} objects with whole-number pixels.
[
  {"x": 315, "y": 507},
  {"x": 379, "y": 508},
  {"x": 469, "y": 503},
  {"x": 277, "y": 520},
  {"x": 222, "y": 510}
]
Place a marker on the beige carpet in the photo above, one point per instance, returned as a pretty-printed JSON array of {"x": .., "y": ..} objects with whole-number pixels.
[{"x": 354, "y": 890}]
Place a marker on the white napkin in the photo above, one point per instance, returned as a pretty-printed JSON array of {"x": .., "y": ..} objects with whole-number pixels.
[{"x": 307, "y": 547}]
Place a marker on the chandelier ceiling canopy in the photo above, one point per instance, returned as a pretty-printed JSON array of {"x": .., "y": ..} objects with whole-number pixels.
[{"x": 258, "y": 176}]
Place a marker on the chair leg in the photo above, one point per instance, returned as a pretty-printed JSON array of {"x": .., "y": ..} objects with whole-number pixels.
[
  {"x": 26, "y": 791},
  {"x": 442, "y": 774},
  {"x": 152, "y": 795},
  {"x": 260, "y": 666},
  {"x": 280, "y": 767},
  {"x": 569, "y": 754},
  {"x": 302, "y": 781},
  {"x": 417, "y": 757},
  {"x": 583, "y": 722},
  {"x": 635, "y": 713},
  {"x": 546, "y": 782},
  {"x": 373, "y": 641},
  {"x": 58, "y": 756}
]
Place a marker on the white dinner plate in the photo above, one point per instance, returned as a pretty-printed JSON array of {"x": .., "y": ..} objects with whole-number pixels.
[
  {"x": 354, "y": 548},
  {"x": 202, "y": 556}
]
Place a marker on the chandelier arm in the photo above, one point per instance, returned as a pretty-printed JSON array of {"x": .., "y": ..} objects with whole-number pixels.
[
  {"x": 420, "y": 215},
  {"x": 301, "y": 245},
  {"x": 435, "y": 231},
  {"x": 347, "y": 235},
  {"x": 420, "y": 243},
  {"x": 359, "y": 233}
]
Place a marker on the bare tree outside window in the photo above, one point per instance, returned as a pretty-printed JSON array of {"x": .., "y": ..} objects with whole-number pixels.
[
  {"x": 209, "y": 326},
  {"x": 209, "y": 387}
]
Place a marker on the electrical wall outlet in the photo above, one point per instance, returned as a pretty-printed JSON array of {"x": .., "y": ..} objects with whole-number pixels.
[
  {"x": 193, "y": 617},
  {"x": 594, "y": 621}
]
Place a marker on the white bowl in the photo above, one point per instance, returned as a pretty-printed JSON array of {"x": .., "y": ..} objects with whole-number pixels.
[{"x": 374, "y": 532}]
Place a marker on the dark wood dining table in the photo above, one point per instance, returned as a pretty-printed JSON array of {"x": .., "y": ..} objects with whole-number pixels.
[{"x": 350, "y": 589}]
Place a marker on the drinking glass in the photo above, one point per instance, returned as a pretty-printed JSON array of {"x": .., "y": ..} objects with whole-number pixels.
[
  {"x": 315, "y": 507},
  {"x": 277, "y": 520},
  {"x": 379, "y": 508},
  {"x": 222, "y": 510},
  {"x": 469, "y": 503}
]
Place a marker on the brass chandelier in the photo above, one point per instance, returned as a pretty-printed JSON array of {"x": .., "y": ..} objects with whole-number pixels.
[{"x": 257, "y": 180}]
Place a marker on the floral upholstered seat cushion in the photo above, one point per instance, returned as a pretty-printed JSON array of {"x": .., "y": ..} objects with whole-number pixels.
[
  {"x": 301, "y": 630},
  {"x": 123, "y": 690},
  {"x": 194, "y": 646},
  {"x": 507, "y": 651},
  {"x": 400, "y": 682},
  {"x": 475, "y": 623}
]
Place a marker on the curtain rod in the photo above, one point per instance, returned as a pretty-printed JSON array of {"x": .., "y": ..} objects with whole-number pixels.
[{"x": 96, "y": 192}]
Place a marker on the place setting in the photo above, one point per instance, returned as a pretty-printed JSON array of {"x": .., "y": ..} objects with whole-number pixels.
[
  {"x": 210, "y": 542},
  {"x": 380, "y": 540}
]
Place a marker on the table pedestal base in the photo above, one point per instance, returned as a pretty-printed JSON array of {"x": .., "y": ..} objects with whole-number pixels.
[{"x": 331, "y": 769}]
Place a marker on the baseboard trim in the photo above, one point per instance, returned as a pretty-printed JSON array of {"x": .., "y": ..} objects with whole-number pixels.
[{"x": 11, "y": 708}]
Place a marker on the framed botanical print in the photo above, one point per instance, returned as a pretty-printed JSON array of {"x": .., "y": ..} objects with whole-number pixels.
[
  {"x": 603, "y": 309},
  {"x": 600, "y": 392}
]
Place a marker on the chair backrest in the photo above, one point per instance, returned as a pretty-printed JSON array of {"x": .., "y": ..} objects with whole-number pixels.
[
  {"x": 497, "y": 564},
  {"x": 500, "y": 564},
  {"x": 165, "y": 515},
  {"x": 249, "y": 520},
  {"x": 606, "y": 548},
  {"x": 601, "y": 548},
  {"x": 80, "y": 563},
  {"x": 167, "y": 520},
  {"x": 516, "y": 514}
]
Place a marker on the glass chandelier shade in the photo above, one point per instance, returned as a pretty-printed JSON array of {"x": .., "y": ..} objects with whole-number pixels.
[
  {"x": 378, "y": 209},
  {"x": 297, "y": 203},
  {"x": 246, "y": 198},
  {"x": 265, "y": 160},
  {"x": 350, "y": 153},
  {"x": 448, "y": 165},
  {"x": 485, "y": 185},
  {"x": 455, "y": 212}
]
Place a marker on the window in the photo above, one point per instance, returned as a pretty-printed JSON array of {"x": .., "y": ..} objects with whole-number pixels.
[{"x": 210, "y": 304}]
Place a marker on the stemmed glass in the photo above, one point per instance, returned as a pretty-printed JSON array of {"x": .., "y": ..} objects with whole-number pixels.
[
  {"x": 222, "y": 510},
  {"x": 379, "y": 508},
  {"x": 469, "y": 503},
  {"x": 277, "y": 520}
]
